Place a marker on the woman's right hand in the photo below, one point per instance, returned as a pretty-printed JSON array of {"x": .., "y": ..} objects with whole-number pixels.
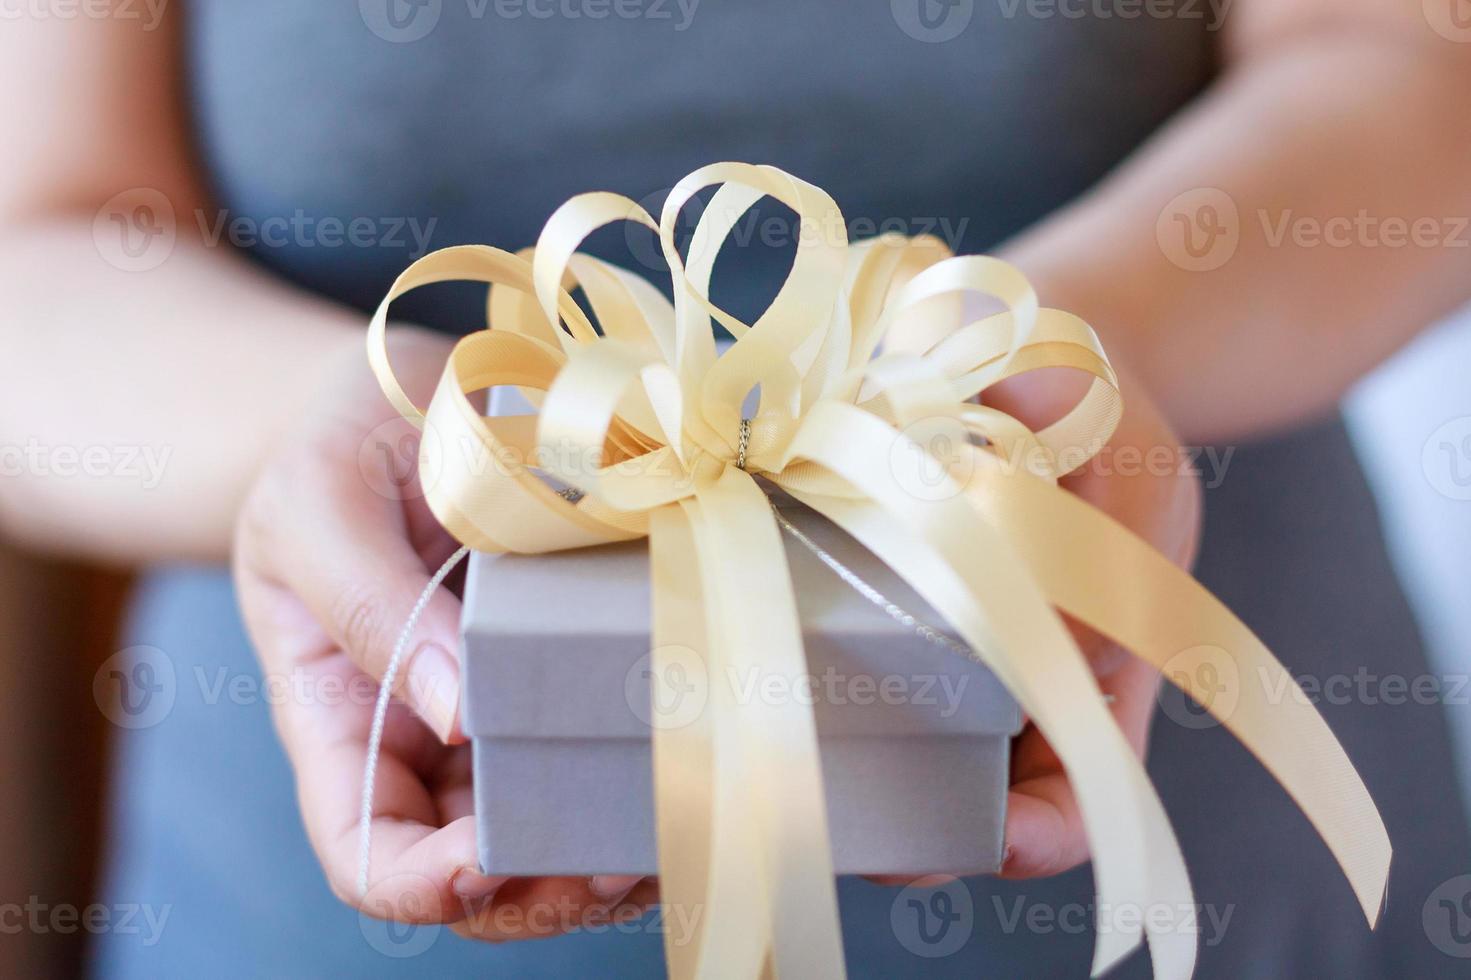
[{"x": 332, "y": 550}]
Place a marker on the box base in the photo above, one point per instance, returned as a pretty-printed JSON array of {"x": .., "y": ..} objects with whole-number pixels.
[{"x": 916, "y": 804}]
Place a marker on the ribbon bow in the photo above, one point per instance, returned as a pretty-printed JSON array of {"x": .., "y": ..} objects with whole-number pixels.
[{"x": 642, "y": 421}]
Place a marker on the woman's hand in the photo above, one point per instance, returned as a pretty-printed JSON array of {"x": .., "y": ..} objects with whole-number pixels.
[{"x": 332, "y": 550}]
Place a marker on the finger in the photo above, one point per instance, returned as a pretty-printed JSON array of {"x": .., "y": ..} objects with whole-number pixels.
[
  {"x": 1140, "y": 478},
  {"x": 454, "y": 785},
  {"x": 540, "y": 908},
  {"x": 645, "y": 894},
  {"x": 1143, "y": 480},
  {"x": 613, "y": 889},
  {"x": 1044, "y": 829},
  {"x": 912, "y": 881},
  {"x": 416, "y": 867},
  {"x": 421, "y": 874},
  {"x": 1104, "y": 656},
  {"x": 418, "y": 871},
  {"x": 519, "y": 912},
  {"x": 1131, "y": 688},
  {"x": 344, "y": 553},
  {"x": 1044, "y": 824},
  {"x": 414, "y": 862}
]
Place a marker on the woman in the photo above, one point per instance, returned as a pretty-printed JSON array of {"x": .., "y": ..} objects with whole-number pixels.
[{"x": 1134, "y": 162}]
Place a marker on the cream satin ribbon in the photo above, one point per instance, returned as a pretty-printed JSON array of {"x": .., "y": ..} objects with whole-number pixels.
[{"x": 641, "y": 416}]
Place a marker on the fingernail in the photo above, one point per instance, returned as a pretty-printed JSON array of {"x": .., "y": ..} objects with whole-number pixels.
[
  {"x": 434, "y": 688},
  {"x": 613, "y": 888},
  {"x": 1006, "y": 854},
  {"x": 473, "y": 886}
]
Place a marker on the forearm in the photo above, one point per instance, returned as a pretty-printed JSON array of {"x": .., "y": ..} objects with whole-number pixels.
[
  {"x": 136, "y": 406},
  {"x": 1356, "y": 138}
]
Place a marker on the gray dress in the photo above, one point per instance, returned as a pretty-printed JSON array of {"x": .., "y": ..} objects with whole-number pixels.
[{"x": 482, "y": 117}]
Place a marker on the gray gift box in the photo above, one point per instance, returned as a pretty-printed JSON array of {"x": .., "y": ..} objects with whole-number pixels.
[{"x": 914, "y": 737}]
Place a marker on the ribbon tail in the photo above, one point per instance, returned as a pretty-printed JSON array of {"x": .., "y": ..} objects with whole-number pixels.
[
  {"x": 708, "y": 855},
  {"x": 1136, "y": 858},
  {"x": 753, "y": 631},
  {"x": 683, "y": 748},
  {"x": 1098, "y": 571},
  {"x": 968, "y": 571}
]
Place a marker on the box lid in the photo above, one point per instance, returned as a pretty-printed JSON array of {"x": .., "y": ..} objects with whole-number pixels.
[{"x": 557, "y": 646}]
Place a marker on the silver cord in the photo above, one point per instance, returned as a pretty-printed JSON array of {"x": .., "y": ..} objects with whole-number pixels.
[
  {"x": 380, "y": 716},
  {"x": 892, "y": 609}
]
